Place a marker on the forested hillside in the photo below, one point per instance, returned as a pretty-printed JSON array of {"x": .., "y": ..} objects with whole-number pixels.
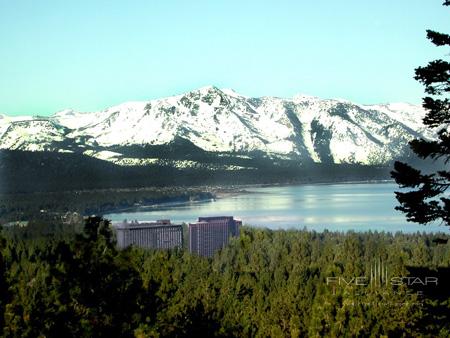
[
  {"x": 25, "y": 172},
  {"x": 266, "y": 283}
]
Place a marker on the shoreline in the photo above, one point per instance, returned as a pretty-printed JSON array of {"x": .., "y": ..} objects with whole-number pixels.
[
  {"x": 157, "y": 206},
  {"x": 227, "y": 192}
]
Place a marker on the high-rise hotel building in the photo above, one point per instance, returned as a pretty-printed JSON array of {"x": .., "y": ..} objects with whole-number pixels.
[
  {"x": 152, "y": 235},
  {"x": 210, "y": 234}
]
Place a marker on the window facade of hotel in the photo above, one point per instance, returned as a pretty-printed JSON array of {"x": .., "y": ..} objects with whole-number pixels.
[
  {"x": 152, "y": 235},
  {"x": 210, "y": 234}
]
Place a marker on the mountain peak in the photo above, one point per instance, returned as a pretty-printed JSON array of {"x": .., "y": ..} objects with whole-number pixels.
[
  {"x": 64, "y": 112},
  {"x": 231, "y": 92},
  {"x": 206, "y": 89},
  {"x": 304, "y": 128},
  {"x": 305, "y": 97}
]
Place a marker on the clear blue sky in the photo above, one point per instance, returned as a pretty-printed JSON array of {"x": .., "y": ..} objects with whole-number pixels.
[{"x": 88, "y": 55}]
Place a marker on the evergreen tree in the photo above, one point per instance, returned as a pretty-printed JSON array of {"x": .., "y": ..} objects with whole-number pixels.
[
  {"x": 426, "y": 200},
  {"x": 3, "y": 285}
]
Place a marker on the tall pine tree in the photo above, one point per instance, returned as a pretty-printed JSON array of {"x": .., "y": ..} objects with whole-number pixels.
[{"x": 427, "y": 198}]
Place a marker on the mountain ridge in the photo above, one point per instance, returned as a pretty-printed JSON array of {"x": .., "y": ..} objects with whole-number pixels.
[{"x": 301, "y": 129}]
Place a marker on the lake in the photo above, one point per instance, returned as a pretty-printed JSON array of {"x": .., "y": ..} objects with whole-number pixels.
[{"x": 336, "y": 207}]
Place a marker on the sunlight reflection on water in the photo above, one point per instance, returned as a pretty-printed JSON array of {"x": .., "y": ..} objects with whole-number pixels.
[{"x": 336, "y": 207}]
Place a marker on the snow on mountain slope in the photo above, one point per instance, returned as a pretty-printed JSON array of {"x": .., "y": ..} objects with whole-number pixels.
[
  {"x": 32, "y": 134},
  {"x": 5, "y": 121},
  {"x": 76, "y": 120},
  {"x": 304, "y": 128},
  {"x": 408, "y": 114}
]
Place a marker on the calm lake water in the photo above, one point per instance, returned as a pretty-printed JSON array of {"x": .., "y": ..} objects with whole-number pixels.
[{"x": 336, "y": 207}]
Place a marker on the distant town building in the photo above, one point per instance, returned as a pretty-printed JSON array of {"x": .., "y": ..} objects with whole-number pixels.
[
  {"x": 210, "y": 234},
  {"x": 152, "y": 235}
]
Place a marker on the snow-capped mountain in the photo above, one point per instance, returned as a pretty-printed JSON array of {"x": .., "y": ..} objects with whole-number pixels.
[{"x": 223, "y": 122}]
